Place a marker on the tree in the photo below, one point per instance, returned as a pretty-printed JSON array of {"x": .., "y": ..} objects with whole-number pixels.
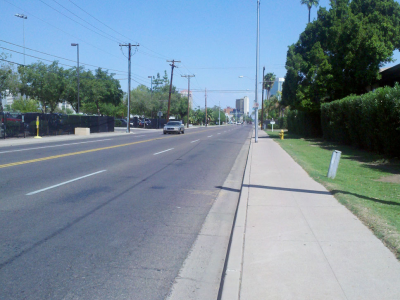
[
  {"x": 25, "y": 105},
  {"x": 8, "y": 78},
  {"x": 341, "y": 52},
  {"x": 44, "y": 82},
  {"x": 269, "y": 80},
  {"x": 310, "y": 3}
]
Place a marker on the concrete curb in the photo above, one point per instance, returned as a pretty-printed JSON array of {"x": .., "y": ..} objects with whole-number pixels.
[
  {"x": 200, "y": 275},
  {"x": 232, "y": 277}
]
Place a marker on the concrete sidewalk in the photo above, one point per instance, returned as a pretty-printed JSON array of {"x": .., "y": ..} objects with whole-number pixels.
[{"x": 293, "y": 240}]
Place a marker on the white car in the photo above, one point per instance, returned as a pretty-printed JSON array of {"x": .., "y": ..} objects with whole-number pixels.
[{"x": 174, "y": 127}]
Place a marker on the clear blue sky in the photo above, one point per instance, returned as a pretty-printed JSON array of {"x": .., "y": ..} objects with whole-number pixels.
[{"x": 215, "y": 40}]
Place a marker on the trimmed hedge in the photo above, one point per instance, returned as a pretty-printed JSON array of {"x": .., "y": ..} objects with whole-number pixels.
[
  {"x": 370, "y": 121},
  {"x": 307, "y": 124}
]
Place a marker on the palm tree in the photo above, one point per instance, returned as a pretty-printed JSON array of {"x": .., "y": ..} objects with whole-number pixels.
[{"x": 310, "y": 3}]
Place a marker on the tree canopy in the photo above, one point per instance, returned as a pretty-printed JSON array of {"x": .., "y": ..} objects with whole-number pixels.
[{"x": 341, "y": 52}]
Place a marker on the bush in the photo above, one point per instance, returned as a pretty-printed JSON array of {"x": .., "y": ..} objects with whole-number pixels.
[
  {"x": 117, "y": 123},
  {"x": 370, "y": 121},
  {"x": 307, "y": 124},
  {"x": 12, "y": 128}
]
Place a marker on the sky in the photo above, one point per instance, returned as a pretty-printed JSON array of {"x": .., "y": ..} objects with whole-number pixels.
[{"x": 214, "y": 40}]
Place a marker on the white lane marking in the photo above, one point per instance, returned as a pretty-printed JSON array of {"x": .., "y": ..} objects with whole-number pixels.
[
  {"x": 210, "y": 136},
  {"x": 163, "y": 151},
  {"x": 54, "y": 146},
  {"x": 69, "y": 181},
  {"x": 219, "y": 133},
  {"x": 139, "y": 136},
  {"x": 224, "y": 131},
  {"x": 195, "y": 141}
]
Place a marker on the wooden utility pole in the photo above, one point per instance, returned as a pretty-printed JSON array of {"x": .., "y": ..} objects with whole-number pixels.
[
  {"x": 262, "y": 100},
  {"x": 188, "y": 77},
  {"x": 128, "y": 119},
  {"x": 170, "y": 86},
  {"x": 206, "y": 107}
]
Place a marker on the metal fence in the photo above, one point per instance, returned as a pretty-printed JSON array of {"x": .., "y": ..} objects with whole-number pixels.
[{"x": 23, "y": 125}]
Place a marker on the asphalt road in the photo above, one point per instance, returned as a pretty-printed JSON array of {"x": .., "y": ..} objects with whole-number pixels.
[{"x": 107, "y": 218}]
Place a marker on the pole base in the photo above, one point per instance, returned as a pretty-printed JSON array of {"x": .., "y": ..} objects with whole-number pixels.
[{"x": 37, "y": 137}]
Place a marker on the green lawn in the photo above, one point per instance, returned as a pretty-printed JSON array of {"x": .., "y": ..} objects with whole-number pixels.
[{"x": 376, "y": 203}]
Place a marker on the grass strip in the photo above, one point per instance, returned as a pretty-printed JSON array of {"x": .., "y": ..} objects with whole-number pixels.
[{"x": 367, "y": 184}]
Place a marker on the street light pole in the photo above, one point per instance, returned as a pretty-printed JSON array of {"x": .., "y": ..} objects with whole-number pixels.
[
  {"x": 77, "y": 68},
  {"x": 151, "y": 88},
  {"x": 257, "y": 66},
  {"x": 219, "y": 114},
  {"x": 188, "y": 105},
  {"x": 23, "y": 17}
]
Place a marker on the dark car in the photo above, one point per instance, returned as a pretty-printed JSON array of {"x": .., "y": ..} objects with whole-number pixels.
[{"x": 144, "y": 123}]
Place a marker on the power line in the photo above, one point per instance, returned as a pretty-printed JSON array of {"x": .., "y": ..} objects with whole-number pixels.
[
  {"x": 98, "y": 19},
  {"x": 77, "y": 22},
  {"x": 56, "y": 56},
  {"x": 42, "y": 59},
  {"x": 82, "y": 19},
  {"x": 30, "y": 14}
]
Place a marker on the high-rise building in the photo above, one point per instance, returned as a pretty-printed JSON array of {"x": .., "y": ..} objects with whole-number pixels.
[
  {"x": 242, "y": 105},
  {"x": 277, "y": 87}
]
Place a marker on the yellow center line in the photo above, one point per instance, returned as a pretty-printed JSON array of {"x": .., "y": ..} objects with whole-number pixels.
[{"x": 81, "y": 152}]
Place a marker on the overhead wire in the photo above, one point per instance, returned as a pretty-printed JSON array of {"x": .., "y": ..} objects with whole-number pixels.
[
  {"x": 58, "y": 56},
  {"x": 82, "y": 19},
  {"x": 116, "y": 41},
  {"x": 29, "y": 13}
]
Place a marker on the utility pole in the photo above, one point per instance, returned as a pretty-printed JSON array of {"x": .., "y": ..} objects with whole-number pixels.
[
  {"x": 206, "y": 107},
  {"x": 128, "y": 128},
  {"x": 170, "y": 86},
  {"x": 188, "y": 77},
  {"x": 262, "y": 100},
  {"x": 77, "y": 67},
  {"x": 219, "y": 113},
  {"x": 257, "y": 67}
]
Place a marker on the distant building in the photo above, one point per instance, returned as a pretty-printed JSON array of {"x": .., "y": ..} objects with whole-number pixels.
[
  {"x": 228, "y": 110},
  {"x": 184, "y": 93},
  {"x": 277, "y": 87},
  {"x": 242, "y": 105}
]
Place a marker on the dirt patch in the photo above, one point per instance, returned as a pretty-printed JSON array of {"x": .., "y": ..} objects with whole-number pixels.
[{"x": 391, "y": 179}]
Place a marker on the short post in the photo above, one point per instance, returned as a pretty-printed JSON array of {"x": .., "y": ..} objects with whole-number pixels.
[
  {"x": 37, "y": 128},
  {"x": 334, "y": 164}
]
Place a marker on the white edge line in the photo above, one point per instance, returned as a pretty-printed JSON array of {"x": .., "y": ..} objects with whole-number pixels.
[
  {"x": 195, "y": 141},
  {"x": 53, "y": 146},
  {"x": 69, "y": 181},
  {"x": 163, "y": 151},
  {"x": 210, "y": 136}
]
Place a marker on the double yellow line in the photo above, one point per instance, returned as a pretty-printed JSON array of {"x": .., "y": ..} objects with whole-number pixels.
[
  {"x": 82, "y": 152},
  {"x": 73, "y": 153}
]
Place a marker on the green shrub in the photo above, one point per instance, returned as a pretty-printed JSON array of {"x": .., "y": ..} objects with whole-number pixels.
[
  {"x": 117, "y": 123},
  {"x": 307, "y": 124},
  {"x": 12, "y": 128},
  {"x": 370, "y": 121}
]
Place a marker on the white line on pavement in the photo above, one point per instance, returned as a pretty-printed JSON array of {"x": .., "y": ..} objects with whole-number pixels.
[
  {"x": 195, "y": 141},
  {"x": 219, "y": 133},
  {"x": 163, "y": 151},
  {"x": 53, "y": 146},
  {"x": 69, "y": 181},
  {"x": 210, "y": 136}
]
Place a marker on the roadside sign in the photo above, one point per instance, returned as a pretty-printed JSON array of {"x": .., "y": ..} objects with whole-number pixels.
[
  {"x": 272, "y": 122},
  {"x": 159, "y": 113},
  {"x": 255, "y": 105}
]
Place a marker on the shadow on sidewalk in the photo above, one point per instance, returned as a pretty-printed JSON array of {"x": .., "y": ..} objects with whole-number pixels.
[{"x": 286, "y": 189}]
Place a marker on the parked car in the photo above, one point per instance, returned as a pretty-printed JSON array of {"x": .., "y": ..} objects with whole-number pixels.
[
  {"x": 144, "y": 123},
  {"x": 174, "y": 127}
]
